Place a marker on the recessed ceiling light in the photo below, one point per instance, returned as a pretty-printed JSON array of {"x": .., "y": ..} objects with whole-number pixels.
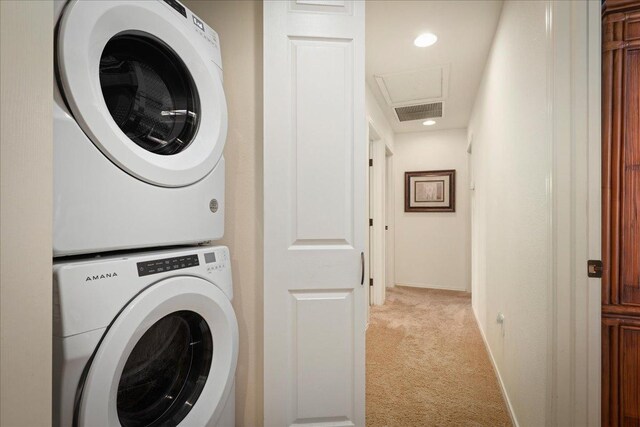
[
  {"x": 429, "y": 122},
  {"x": 426, "y": 39}
]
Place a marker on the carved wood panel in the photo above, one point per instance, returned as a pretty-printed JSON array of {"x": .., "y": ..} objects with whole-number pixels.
[
  {"x": 621, "y": 213},
  {"x": 621, "y": 375}
]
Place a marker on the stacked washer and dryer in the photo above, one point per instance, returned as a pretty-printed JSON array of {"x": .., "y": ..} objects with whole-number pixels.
[{"x": 144, "y": 331}]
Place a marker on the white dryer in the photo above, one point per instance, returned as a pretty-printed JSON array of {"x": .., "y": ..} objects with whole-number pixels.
[
  {"x": 140, "y": 121},
  {"x": 147, "y": 339}
]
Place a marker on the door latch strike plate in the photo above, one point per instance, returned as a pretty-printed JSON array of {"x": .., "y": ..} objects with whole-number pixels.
[{"x": 594, "y": 268}]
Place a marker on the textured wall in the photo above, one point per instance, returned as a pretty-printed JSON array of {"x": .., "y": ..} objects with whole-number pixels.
[
  {"x": 239, "y": 25},
  {"x": 511, "y": 167},
  {"x": 26, "y": 93},
  {"x": 432, "y": 249}
]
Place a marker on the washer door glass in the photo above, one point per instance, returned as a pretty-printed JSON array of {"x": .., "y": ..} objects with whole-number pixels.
[
  {"x": 166, "y": 371},
  {"x": 149, "y": 93}
]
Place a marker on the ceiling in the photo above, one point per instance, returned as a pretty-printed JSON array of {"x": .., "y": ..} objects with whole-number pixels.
[{"x": 450, "y": 70}]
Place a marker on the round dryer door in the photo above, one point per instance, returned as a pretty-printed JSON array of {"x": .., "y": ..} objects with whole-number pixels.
[
  {"x": 168, "y": 358},
  {"x": 144, "y": 88}
]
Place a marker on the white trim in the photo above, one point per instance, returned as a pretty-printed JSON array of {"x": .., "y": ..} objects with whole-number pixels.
[
  {"x": 574, "y": 110},
  {"x": 551, "y": 250},
  {"x": 594, "y": 220},
  {"x": 428, "y": 286},
  {"x": 503, "y": 389},
  {"x": 551, "y": 301}
]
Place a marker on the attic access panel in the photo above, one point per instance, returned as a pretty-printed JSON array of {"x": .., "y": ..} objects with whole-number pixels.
[{"x": 414, "y": 87}]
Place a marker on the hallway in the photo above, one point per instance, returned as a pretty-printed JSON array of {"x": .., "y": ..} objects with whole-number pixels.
[{"x": 427, "y": 364}]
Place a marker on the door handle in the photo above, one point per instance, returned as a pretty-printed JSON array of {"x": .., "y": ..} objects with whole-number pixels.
[{"x": 362, "y": 266}]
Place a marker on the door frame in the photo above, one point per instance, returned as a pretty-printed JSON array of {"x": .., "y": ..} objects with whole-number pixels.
[
  {"x": 378, "y": 241},
  {"x": 573, "y": 56},
  {"x": 389, "y": 230}
]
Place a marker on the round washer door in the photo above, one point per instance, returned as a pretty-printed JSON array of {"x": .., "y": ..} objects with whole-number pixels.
[
  {"x": 169, "y": 358},
  {"x": 143, "y": 89}
]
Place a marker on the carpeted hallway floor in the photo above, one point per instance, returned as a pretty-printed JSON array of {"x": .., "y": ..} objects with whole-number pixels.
[{"x": 427, "y": 364}]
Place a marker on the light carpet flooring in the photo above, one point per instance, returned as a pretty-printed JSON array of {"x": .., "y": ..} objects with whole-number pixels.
[{"x": 427, "y": 364}]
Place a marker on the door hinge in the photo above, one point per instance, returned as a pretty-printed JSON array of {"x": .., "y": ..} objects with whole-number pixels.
[
  {"x": 594, "y": 268},
  {"x": 370, "y": 162},
  {"x": 370, "y": 282},
  {"x": 370, "y": 222}
]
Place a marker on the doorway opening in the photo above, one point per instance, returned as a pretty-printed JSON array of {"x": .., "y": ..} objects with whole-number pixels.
[
  {"x": 528, "y": 91},
  {"x": 434, "y": 72}
]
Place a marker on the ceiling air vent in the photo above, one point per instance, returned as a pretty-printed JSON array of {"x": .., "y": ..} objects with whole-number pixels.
[{"x": 419, "y": 112}]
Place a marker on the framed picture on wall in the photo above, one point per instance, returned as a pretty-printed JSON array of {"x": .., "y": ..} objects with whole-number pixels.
[{"x": 430, "y": 191}]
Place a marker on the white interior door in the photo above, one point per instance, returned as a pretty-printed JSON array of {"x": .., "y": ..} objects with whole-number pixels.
[{"x": 314, "y": 213}]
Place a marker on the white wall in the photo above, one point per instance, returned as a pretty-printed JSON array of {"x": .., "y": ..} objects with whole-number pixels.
[
  {"x": 432, "y": 249},
  {"x": 511, "y": 166},
  {"x": 239, "y": 25},
  {"x": 26, "y": 94}
]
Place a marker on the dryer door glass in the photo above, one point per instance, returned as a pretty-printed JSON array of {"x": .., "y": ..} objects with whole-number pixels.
[
  {"x": 149, "y": 93},
  {"x": 166, "y": 371}
]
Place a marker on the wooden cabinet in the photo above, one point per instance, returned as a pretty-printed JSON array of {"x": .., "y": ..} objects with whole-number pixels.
[{"x": 621, "y": 213}]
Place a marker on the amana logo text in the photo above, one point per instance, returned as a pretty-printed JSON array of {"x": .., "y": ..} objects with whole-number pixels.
[{"x": 101, "y": 276}]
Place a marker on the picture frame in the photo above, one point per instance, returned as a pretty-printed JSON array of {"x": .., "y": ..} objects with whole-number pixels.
[{"x": 430, "y": 191}]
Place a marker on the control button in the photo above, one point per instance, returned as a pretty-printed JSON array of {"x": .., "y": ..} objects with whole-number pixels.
[{"x": 198, "y": 23}]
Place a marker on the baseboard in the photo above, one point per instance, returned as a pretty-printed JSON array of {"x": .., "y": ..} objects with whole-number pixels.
[
  {"x": 512, "y": 415},
  {"x": 425, "y": 286}
]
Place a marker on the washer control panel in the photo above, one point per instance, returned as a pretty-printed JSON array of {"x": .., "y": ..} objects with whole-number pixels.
[{"x": 146, "y": 268}]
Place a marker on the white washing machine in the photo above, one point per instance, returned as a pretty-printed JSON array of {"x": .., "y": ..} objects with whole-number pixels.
[
  {"x": 148, "y": 339},
  {"x": 140, "y": 121}
]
